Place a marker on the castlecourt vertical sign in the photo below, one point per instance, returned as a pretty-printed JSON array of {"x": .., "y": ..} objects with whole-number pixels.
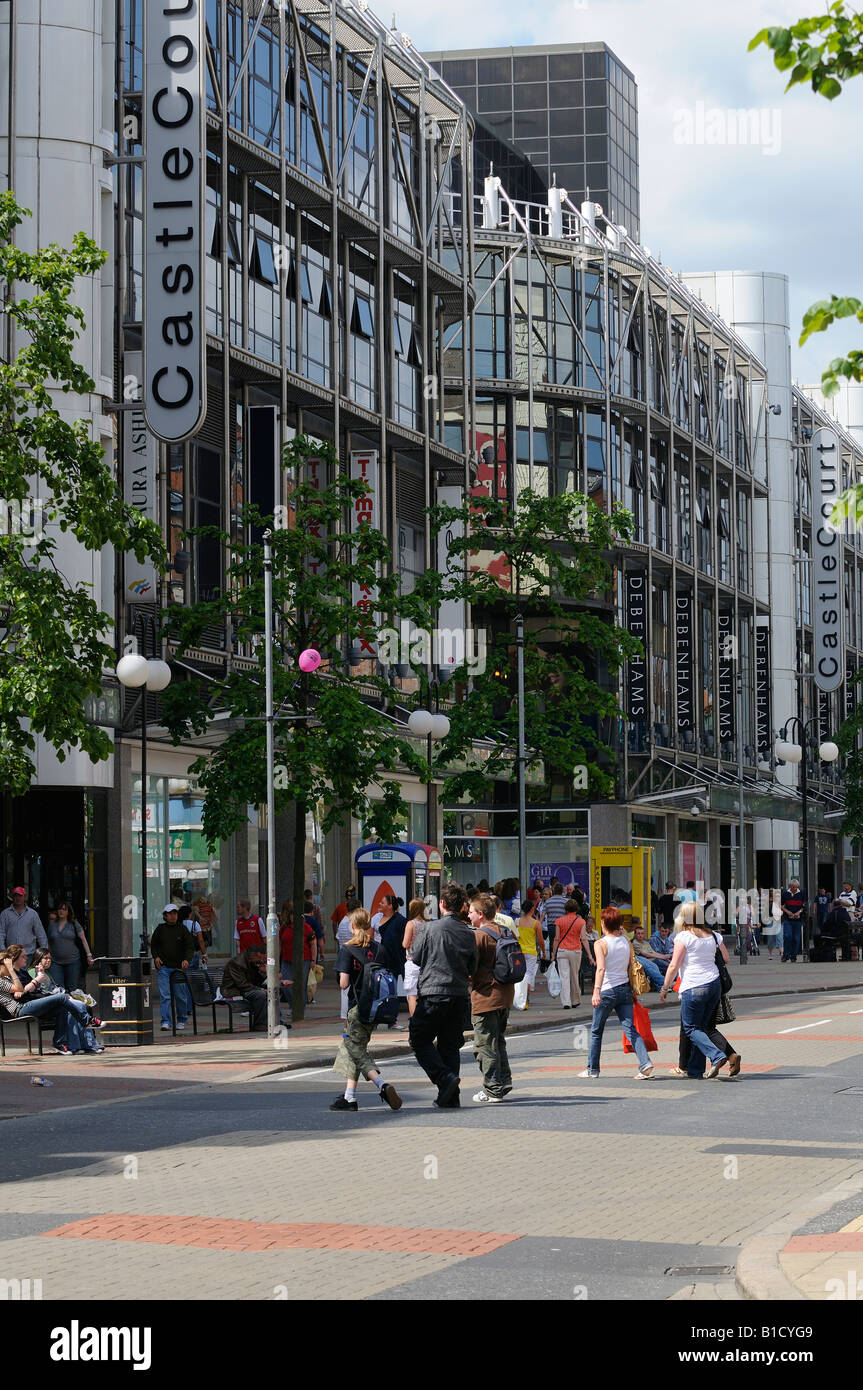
[
  {"x": 174, "y": 390},
  {"x": 827, "y": 622}
]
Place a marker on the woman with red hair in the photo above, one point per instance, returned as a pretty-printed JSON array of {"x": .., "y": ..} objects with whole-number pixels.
[{"x": 612, "y": 992}]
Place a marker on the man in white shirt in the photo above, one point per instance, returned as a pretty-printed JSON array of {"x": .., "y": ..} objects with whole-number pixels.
[{"x": 848, "y": 896}]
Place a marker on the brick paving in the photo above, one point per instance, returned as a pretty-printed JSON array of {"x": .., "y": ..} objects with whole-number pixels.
[{"x": 257, "y": 1235}]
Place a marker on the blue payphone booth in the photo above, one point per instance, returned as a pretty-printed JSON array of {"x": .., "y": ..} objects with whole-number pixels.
[{"x": 408, "y": 870}]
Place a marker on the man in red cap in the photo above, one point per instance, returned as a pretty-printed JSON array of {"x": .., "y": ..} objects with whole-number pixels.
[{"x": 20, "y": 925}]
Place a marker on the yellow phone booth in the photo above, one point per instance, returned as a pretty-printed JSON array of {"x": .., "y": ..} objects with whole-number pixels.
[{"x": 620, "y": 877}]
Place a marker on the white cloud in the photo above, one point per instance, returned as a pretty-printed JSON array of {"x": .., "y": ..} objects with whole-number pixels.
[{"x": 704, "y": 205}]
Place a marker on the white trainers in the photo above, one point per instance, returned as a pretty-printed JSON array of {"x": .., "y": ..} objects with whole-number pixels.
[
  {"x": 644, "y": 1075},
  {"x": 180, "y": 1027},
  {"x": 166, "y": 1027},
  {"x": 483, "y": 1098},
  {"x": 592, "y": 1074}
]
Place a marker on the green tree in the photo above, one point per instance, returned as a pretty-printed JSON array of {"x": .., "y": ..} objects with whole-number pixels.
[
  {"x": 824, "y": 51},
  {"x": 52, "y": 647},
  {"x": 334, "y": 737},
  {"x": 548, "y": 560},
  {"x": 852, "y": 776}
]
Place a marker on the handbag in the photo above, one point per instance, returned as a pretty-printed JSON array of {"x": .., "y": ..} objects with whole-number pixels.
[
  {"x": 725, "y": 1010},
  {"x": 638, "y": 981},
  {"x": 725, "y": 981}
]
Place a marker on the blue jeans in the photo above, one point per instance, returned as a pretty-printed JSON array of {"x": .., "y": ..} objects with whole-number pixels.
[
  {"x": 181, "y": 995},
  {"x": 619, "y": 1001},
  {"x": 791, "y": 940},
  {"x": 697, "y": 1007},
  {"x": 66, "y": 976},
  {"x": 287, "y": 974},
  {"x": 68, "y": 1028},
  {"x": 654, "y": 972}
]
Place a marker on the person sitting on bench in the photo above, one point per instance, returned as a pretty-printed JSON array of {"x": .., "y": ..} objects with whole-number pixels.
[{"x": 246, "y": 975}]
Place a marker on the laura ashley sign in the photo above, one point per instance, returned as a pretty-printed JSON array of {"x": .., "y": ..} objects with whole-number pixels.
[{"x": 175, "y": 400}]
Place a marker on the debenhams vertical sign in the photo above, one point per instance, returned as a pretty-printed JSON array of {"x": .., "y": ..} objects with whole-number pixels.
[{"x": 175, "y": 400}]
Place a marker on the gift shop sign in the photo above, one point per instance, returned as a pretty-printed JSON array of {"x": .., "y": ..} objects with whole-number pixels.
[{"x": 175, "y": 393}]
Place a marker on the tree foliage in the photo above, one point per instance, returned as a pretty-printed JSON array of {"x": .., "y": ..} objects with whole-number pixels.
[
  {"x": 333, "y": 736},
  {"x": 53, "y": 477},
  {"x": 337, "y": 747},
  {"x": 548, "y": 560},
  {"x": 852, "y": 782},
  {"x": 824, "y": 51}
]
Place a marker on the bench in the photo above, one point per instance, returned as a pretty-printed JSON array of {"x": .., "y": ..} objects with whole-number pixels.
[
  {"x": 28, "y": 1023},
  {"x": 179, "y": 977}
]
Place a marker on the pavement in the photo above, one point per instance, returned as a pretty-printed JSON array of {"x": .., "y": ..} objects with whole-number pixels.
[{"x": 180, "y": 1117}]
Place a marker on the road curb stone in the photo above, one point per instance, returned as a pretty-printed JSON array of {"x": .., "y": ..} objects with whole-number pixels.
[{"x": 759, "y": 1275}]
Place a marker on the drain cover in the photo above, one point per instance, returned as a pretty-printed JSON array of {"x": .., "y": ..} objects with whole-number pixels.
[{"x": 702, "y": 1271}]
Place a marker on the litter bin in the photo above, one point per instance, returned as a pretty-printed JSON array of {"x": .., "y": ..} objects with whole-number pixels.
[{"x": 125, "y": 1001}]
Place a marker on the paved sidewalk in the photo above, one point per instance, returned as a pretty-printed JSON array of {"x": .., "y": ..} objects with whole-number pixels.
[
  {"x": 151, "y": 1192},
  {"x": 815, "y": 1253},
  {"x": 130, "y": 1072}
]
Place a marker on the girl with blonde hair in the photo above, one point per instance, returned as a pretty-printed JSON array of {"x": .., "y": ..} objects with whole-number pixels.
[
  {"x": 694, "y": 959},
  {"x": 353, "y": 1058}
]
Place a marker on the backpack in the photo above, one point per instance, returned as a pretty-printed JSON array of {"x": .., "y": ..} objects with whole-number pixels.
[
  {"x": 378, "y": 994},
  {"x": 509, "y": 964}
]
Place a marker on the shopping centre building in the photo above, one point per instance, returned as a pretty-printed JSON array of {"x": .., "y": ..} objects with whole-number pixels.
[{"x": 357, "y": 248}]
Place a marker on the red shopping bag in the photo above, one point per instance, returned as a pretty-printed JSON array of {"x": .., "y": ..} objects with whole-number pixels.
[{"x": 641, "y": 1018}]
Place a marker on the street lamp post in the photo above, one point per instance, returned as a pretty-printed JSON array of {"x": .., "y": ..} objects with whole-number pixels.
[
  {"x": 136, "y": 671},
  {"x": 272, "y": 917},
  {"x": 792, "y": 752},
  {"x": 423, "y": 723}
]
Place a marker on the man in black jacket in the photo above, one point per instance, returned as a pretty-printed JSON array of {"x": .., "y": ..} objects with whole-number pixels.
[
  {"x": 172, "y": 947},
  {"x": 446, "y": 953},
  {"x": 246, "y": 975}
]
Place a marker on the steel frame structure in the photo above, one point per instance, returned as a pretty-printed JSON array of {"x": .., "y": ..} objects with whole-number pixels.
[
  {"x": 684, "y": 333},
  {"x": 336, "y": 66}
]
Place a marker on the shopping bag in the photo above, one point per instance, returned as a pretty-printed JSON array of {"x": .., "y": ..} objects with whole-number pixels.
[
  {"x": 641, "y": 1019},
  {"x": 552, "y": 979}
]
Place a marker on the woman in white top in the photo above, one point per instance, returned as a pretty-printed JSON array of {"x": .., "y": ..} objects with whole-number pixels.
[
  {"x": 611, "y": 991},
  {"x": 417, "y": 915},
  {"x": 344, "y": 932},
  {"x": 694, "y": 959}
]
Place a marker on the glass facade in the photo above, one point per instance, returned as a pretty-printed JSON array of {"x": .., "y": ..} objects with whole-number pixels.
[{"x": 571, "y": 112}]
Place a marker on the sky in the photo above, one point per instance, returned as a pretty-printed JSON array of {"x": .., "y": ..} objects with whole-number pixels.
[{"x": 792, "y": 201}]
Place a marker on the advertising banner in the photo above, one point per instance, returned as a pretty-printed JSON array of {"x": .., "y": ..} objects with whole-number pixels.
[{"x": 364, "y": 466}]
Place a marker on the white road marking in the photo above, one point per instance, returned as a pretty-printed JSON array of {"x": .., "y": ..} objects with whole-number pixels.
[
  {"x": 292, "y": 1075},
  {"x": 800, "y": 1028}
]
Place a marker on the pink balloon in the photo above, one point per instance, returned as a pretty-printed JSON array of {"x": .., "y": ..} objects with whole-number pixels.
[{"x": 310, "y": 660}]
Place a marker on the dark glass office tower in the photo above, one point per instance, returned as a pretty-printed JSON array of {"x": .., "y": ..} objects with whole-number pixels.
[{"x": 572, "y": 109}]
